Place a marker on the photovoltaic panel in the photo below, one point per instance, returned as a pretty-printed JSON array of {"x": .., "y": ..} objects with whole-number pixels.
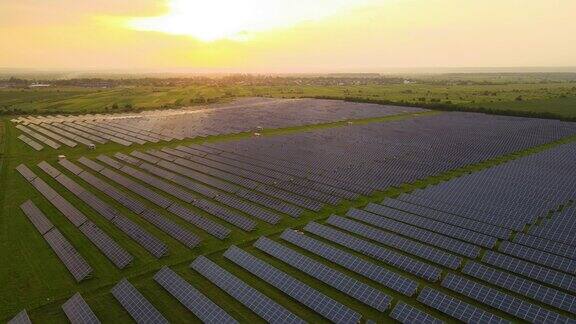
[
  {"x": 74, "y": 262},
  {"x": 36, "y": 216},
  {"x": 26, "y": 172},
  {"x": 531, "y": 270},
  {"x": 347, "y": 260},
  {"x": 433, "y": 225},
  {"x": 113, "y": 251},
  {"x": 32, "y": 143},
  {"x": 196, "y": 302},
  {"x": 456, "y": 308},
  {"x": 320, "y": 303},
  {"x": 435, "y": 239},
  {"x": 504, "y": 302},
  {"x": 393, "y": 258},
  {"x": 20, "y": 318},
  {"x": 407, "y": 314},
  {"x": 522, "y": 286},
  {"x": 144, "y": 238},
  {"x": 259, "y": 303},
  {"x": 141, "y": 310},
  {"x": 344, "y": 283},
  {"x": 78, "y": 311},
  {"x": 543, "y": 244},
  {"x": 540, "y": 257}
]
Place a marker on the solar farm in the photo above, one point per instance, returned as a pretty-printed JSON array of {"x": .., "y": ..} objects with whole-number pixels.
[{"x": 288, "y": 211}]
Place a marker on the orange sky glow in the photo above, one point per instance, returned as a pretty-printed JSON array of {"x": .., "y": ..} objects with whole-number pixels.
[{"x": 286, "y": 35}]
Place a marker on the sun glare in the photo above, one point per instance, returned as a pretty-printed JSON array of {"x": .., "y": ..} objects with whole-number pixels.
[{"x": 236, "y": 20}]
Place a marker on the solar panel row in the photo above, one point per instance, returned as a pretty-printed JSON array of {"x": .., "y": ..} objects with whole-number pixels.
[
  {"x": 320, "y": 303},
  {"x": 74, "y": 262},
  {"x": 32, "y": 143},
  {"x": 259, "y": 303},
  {"x": 348, "y": 285},
  {"x": 405, "y": 313},
  {"x": 78, "y": 312},
  {"x": 209, "y": 226},
  {"x": 425, "y": 236},
  {"x": 499, "y": 300},
  {"x": 201, "y": 306},
  {"x": 207, "y": 206},
  {"x": 133, "y": 230},
  {"x": 174, "y": 230},
  {"x": 456, "y": 308},
  {"x": 528, "y": 288},
  {"x": 374, "y": 251},
  {"x": 141, "y": 310},
  {"x": 412, "y": 247},
  {"x": 353, "y": 263}
]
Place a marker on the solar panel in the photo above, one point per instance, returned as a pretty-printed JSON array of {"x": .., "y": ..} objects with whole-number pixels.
[
  {"x": 153, "y": 245},
  {"x": 207, "y": 225},
  {"x": 374, "y": 272},
  {"x": 112, "y": 250},
  {"x": 344, "y": 283},
  {"x": 74, "y": 262},
  {"x": 456, "y": 308},
  {"x": 441, "y": 241},
  {"x": 407, "y": 314},
  {"x": 259, "y": 303},
  {"x": 320, "y": 303},
  {"x": 522, "y": 286},
  {"x": 543, "y": 258},
  {"x": 78, "y": 312},
  {"x": 141, "y": 310},
  {"x": 201, "y": 306},
  {"x": 174, "y": 230},
  {"x": 499, "y": 300},
  {"x": 32, "y": 143},
  {"x": 20, "y": 318},
  {"x": 546, "y": 245},
  {"x": 433, "y": 225},
  {"x": 398, "y": 260},
  {"x": 26, "y": 172},
  {"x": 248, "y": 208},
  {"x": 36, "y": 216},
  {"x": 531, "y": 270}
]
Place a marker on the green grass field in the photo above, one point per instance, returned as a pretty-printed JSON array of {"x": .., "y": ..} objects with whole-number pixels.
[
  {"x": 557, "y": 98},
  {"x": 32, "y": 277}
]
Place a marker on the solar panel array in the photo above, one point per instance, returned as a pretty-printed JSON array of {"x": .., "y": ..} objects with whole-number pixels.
[
  {"x": 259, "y": 303},
  {"x": 205, "y": 309},
  {"x": 457, "y": 308},
  {"x": 500, "y": 240},
  {"x": 242, "y": 115},
  {"x": 504, "y": 302},
  {"x": 344, "y": 283},
  {"x": 209, "y": 226},
  {"x": 78, "y": 312},
  {"x": 320, "y": 303},
  {"x": 141, "y": 310},
  {"x": 74, "y": 262},
  {"x": 347, "y": 260},
  {"x": 405, "y": 313},
  {"x": 388, "y": 256},
  {"x": 174, "y": 230},
  {"x": 136, "y": 232}
]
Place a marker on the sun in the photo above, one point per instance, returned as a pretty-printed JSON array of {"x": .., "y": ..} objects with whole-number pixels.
[{"x": 236, "y": 20}]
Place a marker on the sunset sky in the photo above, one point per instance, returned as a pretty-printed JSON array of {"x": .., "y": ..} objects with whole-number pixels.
[{"x": 285, "y": 35}]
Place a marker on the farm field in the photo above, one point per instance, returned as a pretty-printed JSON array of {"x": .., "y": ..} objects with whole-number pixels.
[
  {"x": 555, "y": 98},
  {"x": 460, "y": 190}
]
